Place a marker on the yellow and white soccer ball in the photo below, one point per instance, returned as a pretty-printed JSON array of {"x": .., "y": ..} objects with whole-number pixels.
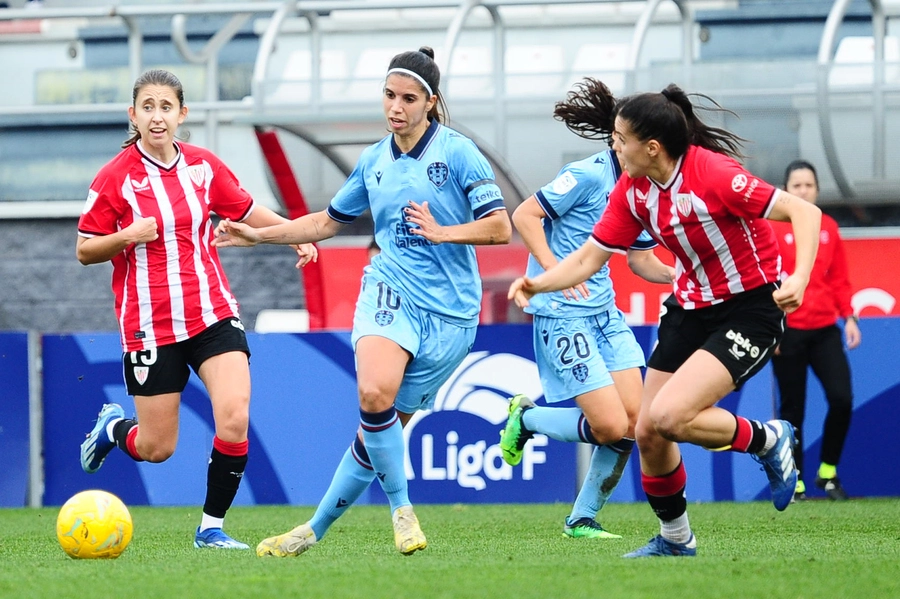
[{"x": 94, "y": 524}]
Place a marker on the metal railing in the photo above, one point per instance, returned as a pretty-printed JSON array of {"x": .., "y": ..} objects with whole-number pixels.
[{"x": 215, "y": 111}]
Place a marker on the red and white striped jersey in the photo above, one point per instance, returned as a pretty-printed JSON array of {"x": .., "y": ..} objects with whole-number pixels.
[
  {"x": 172, "y": 288},
  {"x": 711, "y": 215}
]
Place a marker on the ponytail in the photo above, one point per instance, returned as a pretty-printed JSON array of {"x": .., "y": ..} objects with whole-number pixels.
[{"x": 588, "y": 110}]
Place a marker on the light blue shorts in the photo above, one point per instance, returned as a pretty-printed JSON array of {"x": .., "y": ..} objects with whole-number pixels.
[
  {"x": 436, "y": 345},
  {"x": 576, "y": 355}
]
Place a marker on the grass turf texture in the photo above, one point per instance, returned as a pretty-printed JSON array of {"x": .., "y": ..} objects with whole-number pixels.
[{"x": 815, "y": 549}]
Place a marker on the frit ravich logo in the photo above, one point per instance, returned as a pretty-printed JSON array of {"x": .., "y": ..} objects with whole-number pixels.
[{"x": 454, "y": 448}]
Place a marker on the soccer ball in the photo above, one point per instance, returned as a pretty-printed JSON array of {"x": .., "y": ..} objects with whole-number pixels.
[{"x": 94, "y": 524}]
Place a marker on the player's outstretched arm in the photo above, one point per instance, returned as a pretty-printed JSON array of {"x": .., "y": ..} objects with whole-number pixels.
[
  {"x": 574, "y": 269},
  {"x": 306, "y": 229}
]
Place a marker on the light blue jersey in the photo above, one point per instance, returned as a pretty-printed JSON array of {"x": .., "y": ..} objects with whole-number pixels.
[
  {"x": 446, "y": 170},
  {"x": 573, "y": 203}
]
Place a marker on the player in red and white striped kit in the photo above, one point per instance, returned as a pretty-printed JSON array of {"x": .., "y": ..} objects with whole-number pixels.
[
  {"x": 726, "y": 315},
  {"x": 148, "y": 212}
]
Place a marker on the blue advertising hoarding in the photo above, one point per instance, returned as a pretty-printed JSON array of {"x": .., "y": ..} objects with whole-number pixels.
[
  {"x": 304, "y": 414},
  {"x": 14, "y": 418}
]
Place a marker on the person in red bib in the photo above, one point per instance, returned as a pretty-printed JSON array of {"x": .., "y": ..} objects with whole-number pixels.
[
  {"x": 813, "y": 339},
  {"x": 148, "y": 212},
  {"x": 682, "y": 184}
]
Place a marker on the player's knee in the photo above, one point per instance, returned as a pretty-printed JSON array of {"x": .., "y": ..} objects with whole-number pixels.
[
  {"x": 235, "y": 417},
  {"x": 157, "y": 453},
  {"x": 373, "y": 398},
  {"x": 609, "y": 430},
  {"x": 668, "y": 425}
]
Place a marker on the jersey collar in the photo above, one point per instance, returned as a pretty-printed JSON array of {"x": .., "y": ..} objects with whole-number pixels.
[
  {"x": 617, "y": 168},
  {"x": 156, "y": 162},
  {"x": 420, "y": 146},
  {"x": 675, "y": 171}
]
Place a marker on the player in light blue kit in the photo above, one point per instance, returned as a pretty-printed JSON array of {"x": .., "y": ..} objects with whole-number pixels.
[
  {"x": 432, "y": 196},
  {"x": 583, "y": 348}
]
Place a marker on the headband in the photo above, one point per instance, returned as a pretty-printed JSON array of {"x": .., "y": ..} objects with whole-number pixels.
[{"x": 414, "y": 75}]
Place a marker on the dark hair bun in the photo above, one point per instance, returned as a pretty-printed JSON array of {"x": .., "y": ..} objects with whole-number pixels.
[{"x": 427, "y": 51}]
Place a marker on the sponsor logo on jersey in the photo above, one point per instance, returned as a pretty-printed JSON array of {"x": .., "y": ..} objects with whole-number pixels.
[
  {"x": 753, "y": 185},
  {"x": 404, "y": 237},
  {"x": 141, "y": 373},
  {"x": 438, "y": 172},
  {"x": 140, "y": 185},
  {"x": 641, "y": 195},
  {"x": 378, "y": 175},
  {"x": 741, "y": 346},
  {"x": 197, "y": 173},
  {"x": 684, "y": 204},
  {"x": 564, "y": 183},
  {"x": 739, "y": 183}
]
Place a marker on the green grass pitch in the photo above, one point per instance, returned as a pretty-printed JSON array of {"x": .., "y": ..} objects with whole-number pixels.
[{"x": 816, "y": 550}]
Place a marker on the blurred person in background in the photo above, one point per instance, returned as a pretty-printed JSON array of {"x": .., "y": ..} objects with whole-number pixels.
[
  {"x": 682, "y": 184},
  {"x": 812, "y": 339},
  {"x": 433, "y": 198},
  {"x": 583, "y": 347},
  {"x": 148, "y": 212}
]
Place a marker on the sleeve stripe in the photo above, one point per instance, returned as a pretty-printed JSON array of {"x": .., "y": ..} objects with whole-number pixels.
[
  {"x": 771, "y": 203},
  {"x": 340, "y": 216},
  {"x": 616, "y": 249},
  {"x": 247, "y": 212},
  {"x": 488, "y": 208},
  {"x": 548, "y": 209},
  {"x": 478, "y": 183},
  {"x": 644, "y": 245}
]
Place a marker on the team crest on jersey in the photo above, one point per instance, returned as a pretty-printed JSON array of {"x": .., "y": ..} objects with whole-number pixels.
[
  {"x": 438, "y": 172},
  {"x": 580, "y": 372},
  {"x": 141, "y": 373},
  {"x": 197, "y": 174},
  {"x": 684, "y": 204},
  {"x": 139, "y": 185},
  {"x": 384, "y": 317}
]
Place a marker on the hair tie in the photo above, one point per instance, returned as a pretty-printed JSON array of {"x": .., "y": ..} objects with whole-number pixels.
[{"x": 414, "y": 75}]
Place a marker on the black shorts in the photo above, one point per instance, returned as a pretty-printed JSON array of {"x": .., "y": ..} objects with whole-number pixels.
[
  {"x": 166, "y": 369},
  {"x": 741, "y": 333}
]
